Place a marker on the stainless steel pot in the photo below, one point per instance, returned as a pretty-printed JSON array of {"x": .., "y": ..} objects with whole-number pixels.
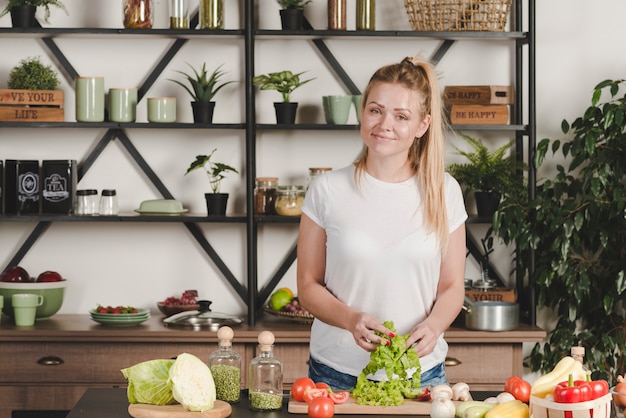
[{"x": 491, "y": 316}]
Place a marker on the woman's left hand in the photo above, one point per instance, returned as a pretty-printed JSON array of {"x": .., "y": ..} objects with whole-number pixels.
[{"x": 424, "y": 338}]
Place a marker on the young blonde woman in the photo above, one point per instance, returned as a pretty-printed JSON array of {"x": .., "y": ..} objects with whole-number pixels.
[{"x": 384, "y": 239}]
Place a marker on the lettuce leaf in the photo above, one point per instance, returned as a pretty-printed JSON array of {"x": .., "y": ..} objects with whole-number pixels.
[
  {"x": 399, "y": 384},
  {"x": 148, "y": 382}
]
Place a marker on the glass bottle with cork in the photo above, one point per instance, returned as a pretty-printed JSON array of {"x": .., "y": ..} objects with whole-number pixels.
[
  {"x": 225, "y": 365},
  {"x": 265, "y": 376},
  {"x": 578, "y": 354}
]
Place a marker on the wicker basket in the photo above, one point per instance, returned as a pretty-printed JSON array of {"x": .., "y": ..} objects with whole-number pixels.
[
  {"x": 458, "y": 15},
  {"x": 598, "y": 408}
]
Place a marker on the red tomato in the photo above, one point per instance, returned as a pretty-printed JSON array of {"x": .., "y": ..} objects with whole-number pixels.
[
  {"x": 339, "y": 397},
  {"x": 322, "y": 385},
  {"x": 313, "y": 393},
  {"x": 518, "y": 387},
  {"x": 300, "y": 386},
  {"x": 321, "y": 407}
]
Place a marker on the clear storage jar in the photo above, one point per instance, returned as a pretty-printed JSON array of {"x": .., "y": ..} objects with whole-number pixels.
[
  {"x": 314, "y": 172},
  {"x": 289, "y": 200},
  {"x": 225, "y": 365},
  {"x": 265, "y": 375},
  {"x": 138, "y": 14},
  {"x": 265, "y": 195}
]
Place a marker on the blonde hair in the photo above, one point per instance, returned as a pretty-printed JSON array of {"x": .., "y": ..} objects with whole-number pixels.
[{"x": 426, "y": 154}]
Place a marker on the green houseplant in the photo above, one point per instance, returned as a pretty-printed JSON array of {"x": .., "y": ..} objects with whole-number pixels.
[
  {"x": 23, "y": 11},
  {"x": 284, "y": 82},
  {"x": 490, "y": 175},
  {"x": 202, "y": 88},
  {"x": 216, "y": 171},
  {"x": 292, "y": 13},
  {"x": 576, "y": 228},
  {"x": 31, "y": 74}
]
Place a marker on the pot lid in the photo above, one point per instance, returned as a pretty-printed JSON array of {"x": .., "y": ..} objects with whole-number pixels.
[{"x": 201, "y": 319}]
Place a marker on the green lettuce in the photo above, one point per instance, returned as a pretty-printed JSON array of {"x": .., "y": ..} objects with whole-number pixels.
[
  {"x": 148, "y": 382},
  {"x": 395, "y": 359}
]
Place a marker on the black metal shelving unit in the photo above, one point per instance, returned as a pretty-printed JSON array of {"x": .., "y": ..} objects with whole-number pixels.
[{"x": 525, "y": 133}]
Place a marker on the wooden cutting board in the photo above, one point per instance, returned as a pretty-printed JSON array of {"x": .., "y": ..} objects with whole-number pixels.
[
  {"x": 409, "y": 407},
  {"x": 221, "y": 409}
]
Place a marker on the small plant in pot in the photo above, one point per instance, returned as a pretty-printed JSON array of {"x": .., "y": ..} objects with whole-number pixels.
[
  {"x": 203, "y": 88},
  {"x": 31, "y": 74},
  {"x": 284, "y": 82},
  {"x": 292, "y": 13},
  {"x": 216, "y": 201},
  {"x": 490, "y": 175},
  {"x": 23, "y": 11}
]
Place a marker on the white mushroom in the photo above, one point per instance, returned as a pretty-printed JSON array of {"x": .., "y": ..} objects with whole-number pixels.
[
  {"x": 460, "y": 392},
  {"x": 441, "y": 391}
]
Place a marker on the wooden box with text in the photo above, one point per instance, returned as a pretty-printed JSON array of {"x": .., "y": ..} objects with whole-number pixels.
[
  {"x": 31, "y": 105},
  {"x": 499, "y": 294},
  {"x": 479, "y": 114},
  {"x": 482, "y": 95}
]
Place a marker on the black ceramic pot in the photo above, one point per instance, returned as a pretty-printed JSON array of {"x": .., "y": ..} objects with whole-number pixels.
[
  {"x": 203, "y": 111},
  {"x": 23, "y": 16},
  {"x": 286, "y": 112},
  {"x": 292, "y": 19},
  {"x": 487, "y": 203},
  {"x": 216, "y": 203}
]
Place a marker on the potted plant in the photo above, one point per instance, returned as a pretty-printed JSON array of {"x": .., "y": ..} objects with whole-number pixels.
[
  {"x": 490, "y": 175},
  {"x": 203, "y": 89},
  {"x": 216, "y": 201},
  {"x": 284, "y": 82},
  {"x": 575, "y": 229},
  {"x": 23, "y": 11},
  {"x": 292, "y": 13}
]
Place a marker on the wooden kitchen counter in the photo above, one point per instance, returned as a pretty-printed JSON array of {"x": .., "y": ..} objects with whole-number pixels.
[{"x": 49, "y": 366}]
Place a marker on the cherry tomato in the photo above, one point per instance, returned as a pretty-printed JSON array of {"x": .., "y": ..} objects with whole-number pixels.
[
  {"x": 313, "y": 393},
  {"x": 518, "y": 387},
  {"x": 300, "y": 386},
  {"x": 322, "y": 385},
  {"x": 321, "y": 408},
  {"x": 339, "y": 397}
]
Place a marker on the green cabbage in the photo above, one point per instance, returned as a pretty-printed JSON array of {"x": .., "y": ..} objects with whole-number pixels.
[
  {"x": 192, "y": 383},
  {"x": 148, "y": 382}
]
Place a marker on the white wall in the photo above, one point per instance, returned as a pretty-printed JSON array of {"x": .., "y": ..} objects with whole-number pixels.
[{"x": 139, "y": 264}]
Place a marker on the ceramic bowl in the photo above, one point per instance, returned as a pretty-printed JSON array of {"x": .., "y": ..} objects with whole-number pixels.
[
  {"x": 52, "y": 292},
  {"x": 161, "y": 206},
  {"x": 169, "y": 310}
]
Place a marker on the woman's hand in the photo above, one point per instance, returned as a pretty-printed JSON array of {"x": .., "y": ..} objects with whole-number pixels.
[
  {"x": 363, "y": 327},
  {"x": 424, "y": 339}
]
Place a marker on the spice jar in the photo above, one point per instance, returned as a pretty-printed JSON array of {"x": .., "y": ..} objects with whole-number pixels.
[
  {"x": 314, "y": 172},
  {"x": 365, "y": 14},
  {"x": 86, "y": 202},
  {"x": 108, "y": 202},
  {"x": 211, "y": 14},
  {"x": 179, "y": 14},
  {"x": 265, "y": 195},
  {"x": 225, "y": 365},
  {"x": 265, "y": 375},
  {"x": 289, "y": 200},
  {"x": 138, "y": 14}
]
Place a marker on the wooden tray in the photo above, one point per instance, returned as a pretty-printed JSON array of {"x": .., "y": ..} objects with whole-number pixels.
[
  {"x": 292, "y": 316},
  {"x": 409, "y": 407},
  {"x": 220, "y": 410}
]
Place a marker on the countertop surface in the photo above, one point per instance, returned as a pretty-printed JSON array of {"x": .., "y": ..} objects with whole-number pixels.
[{"x": 79, "y": 327}]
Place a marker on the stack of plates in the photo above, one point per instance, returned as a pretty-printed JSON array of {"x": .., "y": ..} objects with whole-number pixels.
[{"x": 120, "y": 320}]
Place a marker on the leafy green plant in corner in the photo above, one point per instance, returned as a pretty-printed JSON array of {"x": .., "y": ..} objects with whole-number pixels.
[
  {"x": 576, "y": 227},
  {"x": 285, "y": 82},
  {"x": 31, "y": 74},
  {"x": 203, "y": 86},
  {"x": 214, "y": 170},
  {"x": 37, "y": 3},
  {"x": 293, "y": 4}
]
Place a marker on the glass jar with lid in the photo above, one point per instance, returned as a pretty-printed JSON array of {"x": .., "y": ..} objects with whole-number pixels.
[
  {"x": 138, "y": 14},
  {"x": 265, "y": 374},
  {"x": 289, "y": 200},
  {"x": 314, "y": 172},
  {"x": 265, "y": 195},
  {"x": 225, "y": 365}
]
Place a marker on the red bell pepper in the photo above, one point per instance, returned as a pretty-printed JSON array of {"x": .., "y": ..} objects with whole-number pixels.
[
  {"x": 599, "y": 388},
  {"x": 572, "y": 392}
]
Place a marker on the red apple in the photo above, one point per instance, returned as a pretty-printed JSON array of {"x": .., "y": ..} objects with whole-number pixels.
[
  {"x": 15, "y": 274},
  {"x": 49, "y": 276}
]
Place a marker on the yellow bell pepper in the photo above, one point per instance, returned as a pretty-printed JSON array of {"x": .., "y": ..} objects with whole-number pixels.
[
  {"x": 510, "y": 409},
  {"x": 545, "y": 384}
]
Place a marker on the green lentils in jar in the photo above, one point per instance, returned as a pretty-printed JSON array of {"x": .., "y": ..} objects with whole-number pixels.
[
  {"x": 227, "y": 380},
  {"x": 263, "y": 401}
]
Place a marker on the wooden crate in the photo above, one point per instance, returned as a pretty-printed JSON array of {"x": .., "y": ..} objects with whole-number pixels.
[
  {"x": 597, "y": 408},
  {"x": 479, "y": 114},
  {"x": 499, "y": 294},
  {"x": 482, "y": 95},
  {"x": 31, "y": 105}
]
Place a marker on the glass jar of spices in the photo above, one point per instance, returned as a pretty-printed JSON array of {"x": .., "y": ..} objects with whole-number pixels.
[
  {"x": 179, "y": 14},
  {"x": 265, "y": 195},
  {"x": 289, "y": 200},
  {"x": 138, "y": 14},
  {"x": 225, "y": 365},
  {"x": 265, "y": 374},
  {"x": 314, "y": 172}
]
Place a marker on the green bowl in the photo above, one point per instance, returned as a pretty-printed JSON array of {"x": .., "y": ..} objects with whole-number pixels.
[{"x": 52, "y": 293}]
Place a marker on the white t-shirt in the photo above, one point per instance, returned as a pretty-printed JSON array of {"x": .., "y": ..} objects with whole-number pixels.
[{"x": 379, "y": 258}]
